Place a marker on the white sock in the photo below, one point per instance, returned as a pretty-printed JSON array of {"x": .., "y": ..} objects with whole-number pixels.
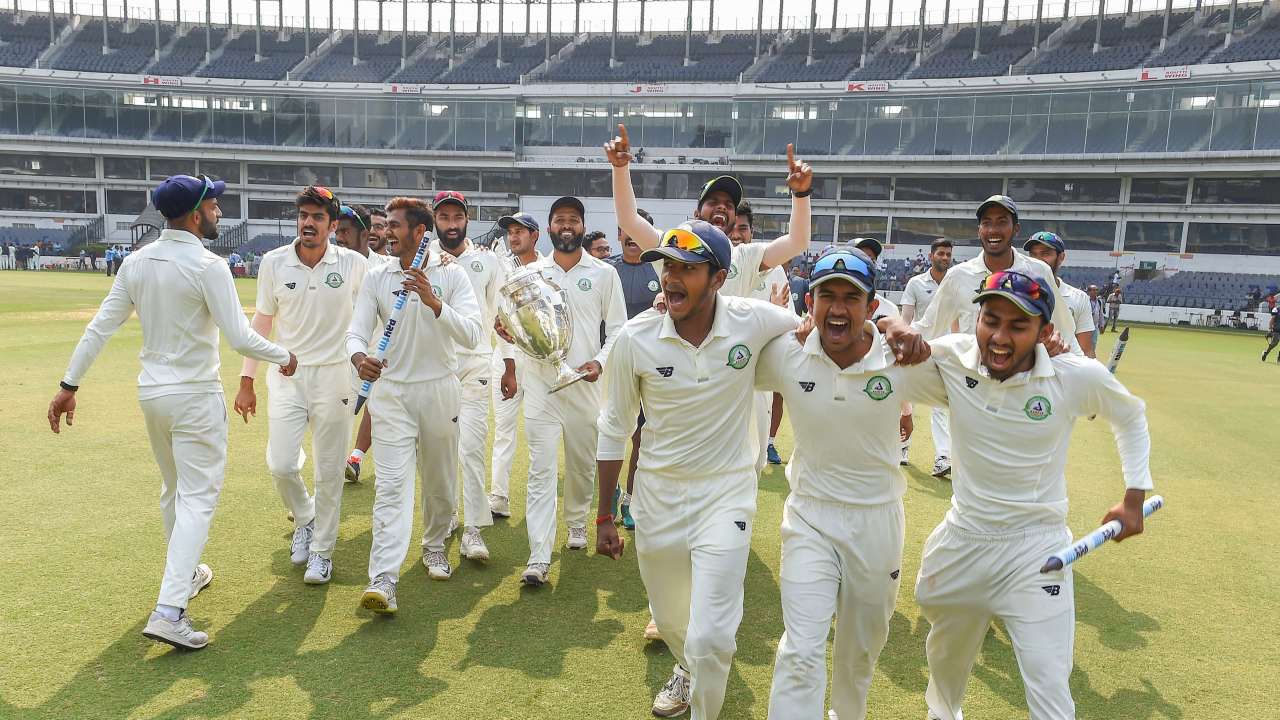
[
  {"x": 625, "y": 498},
  {"x": 357, "y": 455},
  {"x": 771, "y": 440},
  {"x": 169, "y": 612}
]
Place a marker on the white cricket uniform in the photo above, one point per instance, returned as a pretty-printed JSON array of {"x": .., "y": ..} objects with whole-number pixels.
[
  {"x": 485, "y": 271},
  {"x": 842, "y": 527},
  {"x": 1008, "y": 513},
  {"x": 953, "y": 309},
  {"x": 311, "y": 309},
  {"x": 594, "y": 295},
  {"x": 764, "y": 400},
  {"x": 1081, "y": 312},
  {"x": 919, "y": 294},
  {"x": 695, "y": 496},
  {"x": 415, "y": 404},
  {"x": 183, "y": 295},
  {"x": 506, "y": 416},
  {"x": 745, "y": 279}
]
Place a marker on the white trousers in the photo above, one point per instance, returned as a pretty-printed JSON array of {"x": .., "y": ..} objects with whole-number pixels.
[
  {"x": 415, "y": 430},
  {"x": 506, "y": 418},
  {"x": 567, "y": 417},
  {"x": 188, "y": 435},
  {"x": 473, "y": 437},
  {"x": 940, "y": 424},
  {"x": 965, "y": 580},
  {"x": 763, "y": 416},
  {"x": 319, "y": 396},
  {"x": 838, "y": 561},
  {"x": 693, "y": 536}
]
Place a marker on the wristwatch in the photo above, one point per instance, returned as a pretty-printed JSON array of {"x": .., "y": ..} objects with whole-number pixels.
[
  {"x": 802, "y": 193},
  {"x": 69, "y": 388}
]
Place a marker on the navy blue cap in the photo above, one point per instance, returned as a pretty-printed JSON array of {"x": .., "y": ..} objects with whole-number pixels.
[
  {"x": 1003, "y": 201},
  {"x": 863, "y": 243},
  {"x": 567, "y": 201},
  {"x": 726, "y": 184},
  {"x": 696, "y": 241},
  {"x": 182, "y": 194},
  {"x": 1046, "y": 238},
  {"x": 1029, "y": 293},
  {"x": 848, "y": 264},
  {"x": 506, "y": 221}
]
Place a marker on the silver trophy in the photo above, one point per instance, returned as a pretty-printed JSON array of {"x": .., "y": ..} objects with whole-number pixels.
[{"x": 534, "y": 312}]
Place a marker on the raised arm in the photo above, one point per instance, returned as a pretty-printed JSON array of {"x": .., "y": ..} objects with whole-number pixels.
[
  {"x": 794, "y": 243},
  {"x": 618, "y": 150}
]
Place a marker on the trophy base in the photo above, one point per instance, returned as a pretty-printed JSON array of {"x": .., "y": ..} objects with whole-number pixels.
[{"x": 565, "y": 378}]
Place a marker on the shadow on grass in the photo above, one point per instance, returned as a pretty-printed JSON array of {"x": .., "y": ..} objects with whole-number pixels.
[{"x": 923, "y": 481}]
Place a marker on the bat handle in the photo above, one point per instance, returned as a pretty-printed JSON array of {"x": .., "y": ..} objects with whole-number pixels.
[{"x": 1053, "y": 564}]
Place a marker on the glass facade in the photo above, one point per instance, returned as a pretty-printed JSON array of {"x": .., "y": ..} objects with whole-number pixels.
[
  {"x": 1233, "y": 239},
  {"x": 1153, "y": 237},
  {"x": 1168, "y": 191}
]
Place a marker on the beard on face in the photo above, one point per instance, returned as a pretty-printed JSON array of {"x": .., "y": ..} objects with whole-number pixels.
[
  {"x": 567, "y": 245},
  {"x": 453, "y": 237},
  {"x": 209, "y": 228}
]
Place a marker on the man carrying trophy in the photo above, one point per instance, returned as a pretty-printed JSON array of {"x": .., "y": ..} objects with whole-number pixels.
[{"x": 591, "y": 293}]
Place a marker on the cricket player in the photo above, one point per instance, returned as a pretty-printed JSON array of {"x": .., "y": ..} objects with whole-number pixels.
[
  {"x": 378, "y": 231},
  {"x": 1049, "y": 248},
  {"x": 484, "y": 271},
  {"x": 915, "y": 303},
  {"x": 768, "y": 405},
  {"x": 507, "y": 386},
  {"x": 952, "y": 310},
  {"x": 183, "y": 295},
  {"x": 639, "y": 288},
  {"x": 1014, "y": 408},
  {"x": 1273, "y": 335},
  {"x": 415, "y": 400},
  {"x": 594, "y": 295},
  {"x": 842, "y": 528},
  {"x": 306, "y": 291},
  {"x": 693, "y": 370}
]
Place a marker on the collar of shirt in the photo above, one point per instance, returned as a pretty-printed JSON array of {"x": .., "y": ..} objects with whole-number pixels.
[
  {"x": 178, "y": 236},
  {"x": 330, "y": 254},
  {"x": 971, "y": 359},
  {"x": 549, "y": 261},
  {"x": 719, "y": 326},
  {"x": 876, "y": 358},
  {"x": 468, "y": 247}
]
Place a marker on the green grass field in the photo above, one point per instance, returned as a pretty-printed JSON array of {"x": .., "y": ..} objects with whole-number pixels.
[{"x": 1180, "y": 623}]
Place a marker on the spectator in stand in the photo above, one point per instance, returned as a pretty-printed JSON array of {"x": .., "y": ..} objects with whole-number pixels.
[{"x": 1113, "y": 307}]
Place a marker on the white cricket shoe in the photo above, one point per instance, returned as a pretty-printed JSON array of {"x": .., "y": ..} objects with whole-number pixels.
[
  {"x": 673, "y": 699},
  {"x": 535, "y": 574},
  {"x": 499, "y": 506},
  {"x": 380, "y": 596},
  {"x": 437, "y": 564},
  {"x": 905, "y": 459},
  {"x": 577, "y": 538},
  {"x": 651, "y": 631},
  {"x": 200, "y": 579},
  {"x": 473, "y": 547},
  {"x": 300, "y": 545},
  {"x": 177, "y": 633},
  {"x": 319, "y": 570},
  {"x": 941, "y": 466}
]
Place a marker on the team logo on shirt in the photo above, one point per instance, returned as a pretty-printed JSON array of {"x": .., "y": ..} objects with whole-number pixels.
[
  {"x": 739, "y": 356},
  {"x": 438, "y": 292},
  {"x": 1038, "y": 408},
  {"x": 666, "y": 370},
  {"x": 346, "y": 401},
  {"x": 733, "y": 271},
  {"x": 806, "y": 386},
  {"x": 970, "y": 382},
  {"x": 291, "y": 285},
  {"x": 878, "y": 387},
  {"x": 477, "y": 266},
  {"x": 653, "y": 286},
  {"x": 894, "y": 575},
  {"x": 584, "y": 284},
  {"x": 1052, "y": 590},
  {"x": 333, "y": 280}
]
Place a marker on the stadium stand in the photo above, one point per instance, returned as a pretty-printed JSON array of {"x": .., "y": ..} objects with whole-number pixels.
[
  {"x": 660, "y": 60},
  {"x": 517, "y": 60},
  {"x": 1192, "y": 289},
  {"x": 832, "y": 59},
  {"x": 130, "y": 51},
  {"x": 997, "y": 52},
  {"x": 187, "y": 52},
  {"x": 264, "y": 243},
  {"x": 1262, "y": 44},
  {"x": 379, "y": 60},
  {"x": 280, "y": 54},
  {"x": 56, "y": 237},
  {"x": 22, "y": 42},
  {"x": 1122, "y": 46},
  {"x": 896, "y": 57}
]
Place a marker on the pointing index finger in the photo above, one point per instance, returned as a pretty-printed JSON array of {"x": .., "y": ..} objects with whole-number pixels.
[
  {"x": 622, "y": 133},
  {"x": 791, "y": 156}
]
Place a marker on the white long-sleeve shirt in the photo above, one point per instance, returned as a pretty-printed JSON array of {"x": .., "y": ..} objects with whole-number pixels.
[
  {"x": 845, "y": 420},
  {"x": 594, "y": 295},
  {"x": 183, "y": 295},
  {"x": 423, "y": 347},
  {"x": 1009, "y": 439},
  {"x": 697, "y": 400},
  {"x": 953, "y": 309},
  {"x": 486, "y": 273}
]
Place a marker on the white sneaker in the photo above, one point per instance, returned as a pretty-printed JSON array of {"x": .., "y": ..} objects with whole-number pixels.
[
  {"x": 577, "y": 538},
  {"x": 473, "y": 547},
  {"x": 651, "y": 631},
  {"x": 453, "y": 522},
  {"x": 200, "y": 579},
  {"x": 905, "y": 459},
  {"x": 177, "y": 633},
  {"x": 673, "y": 699},
  {"x": 300, "y": 545},
  {"x": 941, "y": 466},
  {"x": 535, "y": 574},
  {"x": 319, "y": 570},
  {"x": 380, "y": 596},
  {"x": 437, "y": 564},
  {"x": 499, "y": 506}
]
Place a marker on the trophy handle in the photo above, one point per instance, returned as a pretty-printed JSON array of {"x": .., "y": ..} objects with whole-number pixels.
[{"x": 565, "y": 377}]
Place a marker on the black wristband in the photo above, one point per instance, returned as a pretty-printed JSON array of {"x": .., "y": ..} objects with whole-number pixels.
[
  {"x": 802, "y": 193},
  {"x": 68, "y": 388}
]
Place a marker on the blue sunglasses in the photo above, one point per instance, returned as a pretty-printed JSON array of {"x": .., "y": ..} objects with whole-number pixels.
[{"x": 842, "y": 262}]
